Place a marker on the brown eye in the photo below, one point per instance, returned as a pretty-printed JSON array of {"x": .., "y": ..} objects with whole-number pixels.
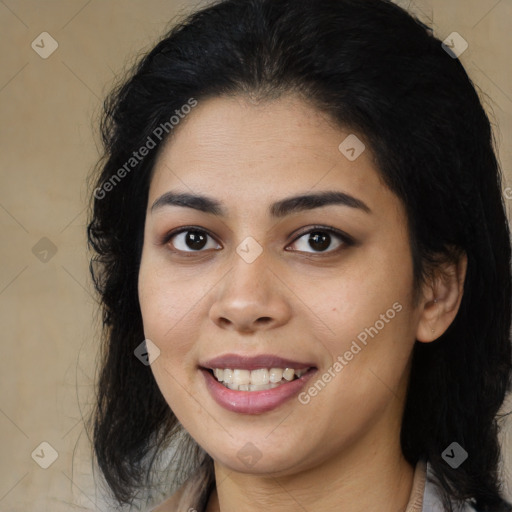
[
  {"x": 190, "y": 240},
  {"x": 321, "y": 239}
]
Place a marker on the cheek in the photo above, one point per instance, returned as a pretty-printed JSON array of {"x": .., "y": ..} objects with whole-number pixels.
[
  {"x": 167, "y": 310},
  {"x": 164, "y": 310},
  {"x": 365, "y": 294},
  {"x": 368, "y": 309}
]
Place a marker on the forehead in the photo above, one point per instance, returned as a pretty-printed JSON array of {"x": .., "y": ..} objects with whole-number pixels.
[{"x": 242, "y": 152}]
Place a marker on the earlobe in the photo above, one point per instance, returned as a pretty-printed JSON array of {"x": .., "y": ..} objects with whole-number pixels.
[{"x": 441, "y": 300}]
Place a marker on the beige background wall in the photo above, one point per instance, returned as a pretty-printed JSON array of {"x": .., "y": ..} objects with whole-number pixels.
[{"x": 48, "y": 109}]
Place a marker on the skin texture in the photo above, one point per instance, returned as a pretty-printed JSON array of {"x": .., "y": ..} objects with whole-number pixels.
[{"x": 341, "y": 450}]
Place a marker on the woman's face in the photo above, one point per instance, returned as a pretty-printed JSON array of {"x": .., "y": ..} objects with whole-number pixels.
[{"x": 249, "y": 283}]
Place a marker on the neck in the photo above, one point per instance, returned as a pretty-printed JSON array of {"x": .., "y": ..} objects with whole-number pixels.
[{"x": 378, "y": 478}]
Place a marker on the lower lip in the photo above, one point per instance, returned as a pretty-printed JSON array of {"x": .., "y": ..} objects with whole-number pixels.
[{"x": 254, "y": 402}]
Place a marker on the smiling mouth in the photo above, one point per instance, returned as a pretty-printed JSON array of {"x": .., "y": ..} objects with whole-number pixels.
[{"x": 256, "y": 380}]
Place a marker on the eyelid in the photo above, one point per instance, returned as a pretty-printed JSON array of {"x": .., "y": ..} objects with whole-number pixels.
[
  {"x": 344, "y": 237},
  {"x": 347, "y": 239},
  {"x": 167, "y": 237}
]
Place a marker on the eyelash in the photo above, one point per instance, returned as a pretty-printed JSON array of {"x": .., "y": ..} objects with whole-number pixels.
[{"x": 346, "y": 240}]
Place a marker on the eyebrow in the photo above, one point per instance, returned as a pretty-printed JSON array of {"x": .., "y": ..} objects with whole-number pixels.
[{"x": 287, "y": 206}]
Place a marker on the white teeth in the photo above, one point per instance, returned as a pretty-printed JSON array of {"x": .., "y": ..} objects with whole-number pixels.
[
  {"x": 241, "y": 377},
  {"x": 288, "y": 374},
  {"x": 256, "y": 387},
  {"x": 252, "y": 387},
  {"x": 259, "y": 377},
  {"x": 256, "y": 380},
  {"x": 276, "y": 374}
]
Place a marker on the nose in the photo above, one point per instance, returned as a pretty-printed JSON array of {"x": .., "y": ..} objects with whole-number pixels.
[{"x": 251, "y": 298}]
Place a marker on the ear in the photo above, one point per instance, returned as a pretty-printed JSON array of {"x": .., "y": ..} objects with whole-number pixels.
[{"x": 441, "y": 300}]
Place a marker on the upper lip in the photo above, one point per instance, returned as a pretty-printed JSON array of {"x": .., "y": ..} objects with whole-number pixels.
[{"x": 245, "y": 362}]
